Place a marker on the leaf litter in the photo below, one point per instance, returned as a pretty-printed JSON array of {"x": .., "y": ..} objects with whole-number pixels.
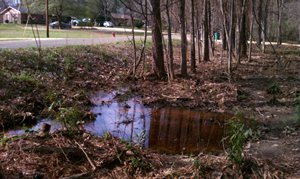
[{"x": 32, "y": 82}]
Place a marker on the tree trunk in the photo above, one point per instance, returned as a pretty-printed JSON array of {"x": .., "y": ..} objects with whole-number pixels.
[
  {"x": 193, "y": 53},
  {"x": 251, "y": 32},
  {"x": 280, "y": 9},
  {"x": 242, "y": 39},
  {"x": 223, "y": 39},
  {"x": 170, "y": 45},
  {"x": 231, "y": 37},
  {"x": 259, "y": 19},
  {"x": 157, "y": 47},
  {"x": 183, "y": 38},
  {"x": 265, "y": 26},
  {"x": 206, "y": 31},
  {"x": 133, "y": 41}
]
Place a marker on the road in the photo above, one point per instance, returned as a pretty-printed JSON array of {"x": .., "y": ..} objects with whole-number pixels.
[{"x": 50, "y": 42}]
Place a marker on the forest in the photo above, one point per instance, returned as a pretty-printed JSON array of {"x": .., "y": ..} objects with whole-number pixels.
[{"x": 213, "y": 92}]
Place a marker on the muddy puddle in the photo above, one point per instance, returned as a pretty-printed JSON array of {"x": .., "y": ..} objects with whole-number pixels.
[{"x": 168, "y": 130}]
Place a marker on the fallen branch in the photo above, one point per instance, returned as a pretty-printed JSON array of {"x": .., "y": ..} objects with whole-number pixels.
[{"x": 90, "y": 161}]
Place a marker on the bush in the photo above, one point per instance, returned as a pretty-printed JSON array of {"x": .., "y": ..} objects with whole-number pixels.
[{"x": 138, "y": 23}]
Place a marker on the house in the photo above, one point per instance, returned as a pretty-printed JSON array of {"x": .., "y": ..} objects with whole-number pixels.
[
  {"x": 123, "y": 19},
  {"x": 20, "y": 15}
]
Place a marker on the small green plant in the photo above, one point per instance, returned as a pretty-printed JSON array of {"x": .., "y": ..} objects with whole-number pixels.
[
  {"x": 4, "y": 140},
  {"x": 287, "y": 126},
  {"x": 119, "y": 157},
  {"x": 105, "y": 135},
  {"x": 129, "y": 146},
  {"x": 135, "y": 161},
  {"x": 140, "y": 138},
  {"x": 237, "y": 133},
  {"x": 196, "y": 163},
  {"x": 30, "y": 130},
  {"x": 123, "y": 141},
  {"x": 274, "y": 88}
]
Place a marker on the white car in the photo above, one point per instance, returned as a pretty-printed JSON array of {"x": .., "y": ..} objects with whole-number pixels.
[{"x": 108, "y": 24}]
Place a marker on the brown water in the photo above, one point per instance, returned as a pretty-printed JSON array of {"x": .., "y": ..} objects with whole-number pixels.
[{"x": 169, "y": 130}]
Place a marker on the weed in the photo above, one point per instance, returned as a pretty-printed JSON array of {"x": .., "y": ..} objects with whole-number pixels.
[
  {"x": 196, "y": 163},
  {"x": 105, "y": 135},
  {"x": 68, "y": 117},
  {"x": 30, "y": 130},
  {"x": 4, "y": 140},
  {"x": 274, "y": 88},
  {"x": 129, "y": 146},
  {"x": 135, "y": 161},
  {"x": 237, "y": 133},
  {"x": 140, "y": 138},
  {"x": 287, "y": 126},
  {"x": 119, "y": 157},
  {"x": 123, "y": 141}
]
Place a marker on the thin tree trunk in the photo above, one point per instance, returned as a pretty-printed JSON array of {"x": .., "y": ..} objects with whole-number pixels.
[
  {"x": 280, "y": 9},
  {"x": 223, "y": 38},
  {"x": 205, "y": 35},
  {"x": 133, "y": 41},
  {"x": 170, "y": 45},
  {"x": 265, "y": 26},
  {"x": 259, "y": 17},
  {"x": 183, "y": 39},
  {"x": 231, "y": 37},
  {"x": 251, "y": 32},
  {"x": 242, "y": 40},
  {"x": 193, "y": 53}
]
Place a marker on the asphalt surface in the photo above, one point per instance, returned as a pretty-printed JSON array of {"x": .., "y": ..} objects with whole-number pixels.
[{"x": 51, "y": 42}]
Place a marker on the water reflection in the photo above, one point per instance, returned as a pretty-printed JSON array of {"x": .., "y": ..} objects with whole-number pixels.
[{"x": 170, "y": 130}]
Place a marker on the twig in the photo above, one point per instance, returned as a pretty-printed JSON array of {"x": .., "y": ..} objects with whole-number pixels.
[
  {"x": 90, "y": 161},
  {"x": 259, "y": 112},
  {"x": 61, "y": 149}
]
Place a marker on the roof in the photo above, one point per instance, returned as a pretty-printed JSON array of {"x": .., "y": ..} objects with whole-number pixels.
[{"x": 21, "y": 10}]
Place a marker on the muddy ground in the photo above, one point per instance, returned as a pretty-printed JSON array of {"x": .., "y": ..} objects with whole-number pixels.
[{"x": 65, "y": 78}]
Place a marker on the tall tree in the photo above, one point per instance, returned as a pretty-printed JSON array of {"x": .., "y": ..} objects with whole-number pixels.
[
  {"x": 183, "y": 38},
  {"x": 265, "y": 25},
  {"x": 259, "y": 19},
  {"x": 206, "y": 32},
  {"x": 193, "y": 51},
  {"x": 170, "y": 45},
  {"x": 157, "y": 46},
  {"x": 280, "y": 9}
]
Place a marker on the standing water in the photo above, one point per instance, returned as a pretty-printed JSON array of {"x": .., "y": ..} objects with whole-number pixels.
[{"x": 169, "y": 130}]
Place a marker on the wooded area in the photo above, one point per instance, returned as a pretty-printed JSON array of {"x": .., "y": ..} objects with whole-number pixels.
[{"x": 237, "y": 24}]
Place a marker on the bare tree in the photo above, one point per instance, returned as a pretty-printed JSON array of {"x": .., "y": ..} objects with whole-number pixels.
[
  {"x": 157, "y": 46},
  {"x": 265, "y": 25},
  {"x": 206, "y": 32},
  {"x": 170, "y": 45},
  {"x": 193, "y": 51},
  {"x": 183, "y": 38},
  {"x": 280, "y": 9}
]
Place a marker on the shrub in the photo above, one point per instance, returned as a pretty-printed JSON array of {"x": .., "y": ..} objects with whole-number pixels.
[{"x": 138, "y": 23}]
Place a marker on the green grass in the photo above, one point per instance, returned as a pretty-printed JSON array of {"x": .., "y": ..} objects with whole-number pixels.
[{"x": 18, "y": 31}]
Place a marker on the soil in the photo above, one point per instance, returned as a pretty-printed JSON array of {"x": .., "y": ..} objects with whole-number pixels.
[{"x": 273, "y": 154}]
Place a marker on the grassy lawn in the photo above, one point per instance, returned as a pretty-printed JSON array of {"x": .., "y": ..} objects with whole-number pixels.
[{"x": 18, "y": 31}]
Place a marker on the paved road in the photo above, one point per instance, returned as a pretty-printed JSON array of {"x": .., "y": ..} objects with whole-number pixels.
[{"x": 50, "y": 42}]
